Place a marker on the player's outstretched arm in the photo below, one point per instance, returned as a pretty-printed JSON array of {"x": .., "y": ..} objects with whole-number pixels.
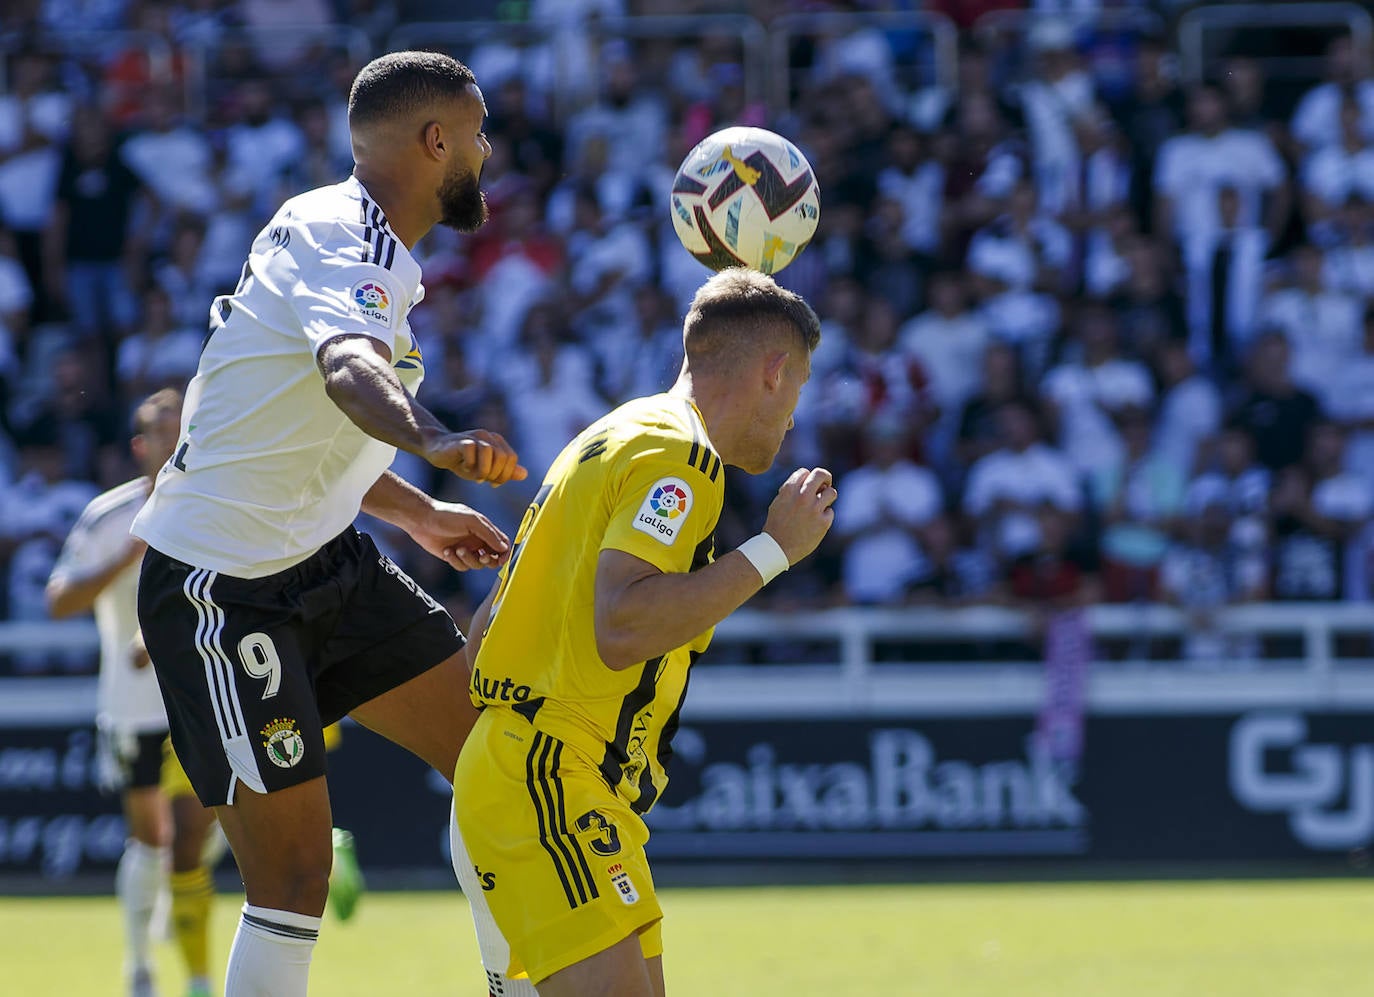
[
  {"x": 359, "y": 379},
  {"x": 459, "y": 536},
  {"x": 642, "y": 612},
  {"x": 67, "y": 595}
]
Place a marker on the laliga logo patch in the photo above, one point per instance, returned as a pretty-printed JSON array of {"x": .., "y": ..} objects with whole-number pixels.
[
  {"x": 284, "y": 744},
  {"x": 624, "y": 886},
  {"x": 664, "y": 510},
  {"x": 372, "y": 301}
]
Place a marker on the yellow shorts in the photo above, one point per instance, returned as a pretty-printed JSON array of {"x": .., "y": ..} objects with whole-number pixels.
[
  {"x": 563, "y": 854},
  {"x": 173, "y": 781}
]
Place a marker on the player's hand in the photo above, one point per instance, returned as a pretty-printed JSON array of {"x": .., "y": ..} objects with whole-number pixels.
[
  {"x": 478, "y": 455},
  {"x": 138, "y": 651},
  {"x": 462, "y": 538},
  {"x": 801, "y": 514}
]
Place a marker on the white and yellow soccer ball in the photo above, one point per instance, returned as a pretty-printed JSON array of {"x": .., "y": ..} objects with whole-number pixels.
[{"x": 745, "y": 197}]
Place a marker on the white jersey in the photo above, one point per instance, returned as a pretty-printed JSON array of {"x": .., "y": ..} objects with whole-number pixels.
[
  {"x": 268, "y": 469},
  {"x": 128, "y": 699}
]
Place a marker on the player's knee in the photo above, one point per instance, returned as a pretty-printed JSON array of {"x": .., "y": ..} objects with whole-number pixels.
[{"x": 290, "y": 878}]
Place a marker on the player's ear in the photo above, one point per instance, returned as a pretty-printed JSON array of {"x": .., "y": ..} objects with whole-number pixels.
[
  {"x": 774, "y": 364},
  {"x": 433, "y": 138}
]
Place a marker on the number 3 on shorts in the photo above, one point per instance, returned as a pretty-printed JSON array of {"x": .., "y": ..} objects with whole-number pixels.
[{"x": 260, "y": 660}]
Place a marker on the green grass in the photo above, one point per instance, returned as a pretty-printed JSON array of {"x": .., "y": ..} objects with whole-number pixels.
[{"x": 1218, "y": 939}]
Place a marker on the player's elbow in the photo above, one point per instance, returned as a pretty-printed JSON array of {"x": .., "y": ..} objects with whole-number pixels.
[
  {"x": 59, "y": 601},
  {"x": 616, "y": 645}
]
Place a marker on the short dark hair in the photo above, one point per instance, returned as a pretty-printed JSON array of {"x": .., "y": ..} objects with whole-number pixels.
[
  {"x": 738, "y": 303},
  {"x": 401, "y": 83}
]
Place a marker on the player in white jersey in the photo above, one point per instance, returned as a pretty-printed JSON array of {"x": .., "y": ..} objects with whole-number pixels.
[
  {"x": 267, "y": 616},
  {"x": 98, "y": 569}
]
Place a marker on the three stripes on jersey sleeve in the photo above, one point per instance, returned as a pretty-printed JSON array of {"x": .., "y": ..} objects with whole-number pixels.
[{"x": 379, "y": 243}]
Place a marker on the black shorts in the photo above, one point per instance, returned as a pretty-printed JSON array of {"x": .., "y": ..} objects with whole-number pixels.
[
  {"x": 131, "y": 761},
  {"x": 253, "y": 670}
]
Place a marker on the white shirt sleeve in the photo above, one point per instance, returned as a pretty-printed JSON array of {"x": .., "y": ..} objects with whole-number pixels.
[
  {"x": 336, "y": 295},
  {"x": 90, "y": 547}
]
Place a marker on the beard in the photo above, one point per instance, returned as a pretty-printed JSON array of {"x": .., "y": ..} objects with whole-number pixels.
[{"x": 462, "y": 202}]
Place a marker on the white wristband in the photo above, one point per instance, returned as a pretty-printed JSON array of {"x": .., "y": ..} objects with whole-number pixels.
[{"x": 765, "y": 555}]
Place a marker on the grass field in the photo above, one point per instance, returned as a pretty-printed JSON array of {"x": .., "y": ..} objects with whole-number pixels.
[{"x": 1218, "y": 939}]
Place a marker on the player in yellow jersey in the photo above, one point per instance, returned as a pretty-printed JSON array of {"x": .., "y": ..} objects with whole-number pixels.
[{"x": 612, "y": 590}]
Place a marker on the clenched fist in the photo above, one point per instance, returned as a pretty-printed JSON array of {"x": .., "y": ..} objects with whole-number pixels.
[
  {"x": 478, "y": 455},
  {"x": 800, "y": 516}
]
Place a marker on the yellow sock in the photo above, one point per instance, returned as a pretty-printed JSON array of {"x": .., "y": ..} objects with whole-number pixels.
[{"x": 192, "y": 894}]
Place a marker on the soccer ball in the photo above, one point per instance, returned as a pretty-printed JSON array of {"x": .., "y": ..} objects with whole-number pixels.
[{"x": 745, "y": 197}]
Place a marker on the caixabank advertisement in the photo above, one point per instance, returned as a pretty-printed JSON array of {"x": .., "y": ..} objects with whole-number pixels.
[{"x": 1277, "y": 786}]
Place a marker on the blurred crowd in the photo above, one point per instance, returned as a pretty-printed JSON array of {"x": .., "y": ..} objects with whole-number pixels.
[{"x": 1090, "y": 333}]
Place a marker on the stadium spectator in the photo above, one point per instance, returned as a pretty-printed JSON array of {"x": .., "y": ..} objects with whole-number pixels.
[
  {"x": 34, "y": 114},
  {"x": 915, "y": 179},
  {"x": 948, "y": 340},
  {"x": 1192, "y": 167},
  {"x": 1317, "y": 118},
  {"x": 1148, "y": 307},
  {"x": 261, "y": 143},
  {"x": 70, "y": 410},
  {"x": 1057, "y": 99},
  {"x": 550, "y": 389},
  {"x": 1149, "y": 116},
  {"x": 171, "y": 156},
  {"x": 1215, "y": 565},
  {"x": 886, "y": 503},
  {"x": 1351, "y": 404},
  {"x": 1190, "y": 408},
  {"x": 1018, "y": 263},
  {"x": 1224, "y": 272},
  {"x": 182, "y": 275},
  {"x": 1317, "y": 508},
  {"x": 1333, "y": 173},
  {"x": 1007, "y": 489},
  {"x": 91, "y": 246},
  {"x": 16, "y": 298},
  {"x": 1082, "y": 396},
  {"x": 161, "y": 354},
  {"x": 979, "y": 423},
  {"x": 1277, "y": 413},
  {"x": 873, "y": 380},
  {"x": 1138, "y": 498},
  {"x": 1324, "y": 327},
  {"x": 1052, "y": 573},
  {"x": 36, "y": 512}
]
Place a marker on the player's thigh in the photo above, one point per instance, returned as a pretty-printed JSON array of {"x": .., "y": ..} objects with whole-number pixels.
[
  {"x": 393, "y": 661},
  {"x": 559, "y": 856},
  {"x": 139, "y": 758},
  {"x": 234, "y": 659},
  {"x": 618, "y": 971},
  {"x": 429, "y": 715},
  {"x": 145, "y": 815},
  {"x": 282, "y": 844}
]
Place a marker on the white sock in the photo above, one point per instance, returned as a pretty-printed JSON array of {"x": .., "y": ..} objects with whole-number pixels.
[
  {"x": 270, "y": 956},
  {"x": 138, "y": 880},
  {"x": 490, "y": 942}
]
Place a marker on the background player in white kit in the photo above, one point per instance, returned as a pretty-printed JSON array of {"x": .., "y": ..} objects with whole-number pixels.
[
  {"x": 98, "y": 568},
  {"x": 265, "y": 613}
]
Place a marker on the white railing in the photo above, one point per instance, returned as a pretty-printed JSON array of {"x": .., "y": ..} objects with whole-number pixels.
[
  {"x": 1196, "y": 24},
  {"x": 848, "y": 680}
]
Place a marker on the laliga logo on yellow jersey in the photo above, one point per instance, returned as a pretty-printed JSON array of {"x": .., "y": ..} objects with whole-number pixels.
[{"x": 664, "y": 510}]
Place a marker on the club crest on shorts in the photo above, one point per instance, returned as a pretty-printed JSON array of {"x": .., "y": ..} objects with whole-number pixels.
[
  {"x": 624, "y": 886},
  {"x": 664, "y": 510},
  {"x": 284, "y": 744}
]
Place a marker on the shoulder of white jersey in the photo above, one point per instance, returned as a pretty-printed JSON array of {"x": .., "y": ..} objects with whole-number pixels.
[
  {"x": 343, "y": 221},
  {"x": 106, "y": 504}
]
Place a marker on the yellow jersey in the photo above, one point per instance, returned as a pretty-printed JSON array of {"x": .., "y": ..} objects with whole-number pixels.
[{"x": 644, "y": 480}]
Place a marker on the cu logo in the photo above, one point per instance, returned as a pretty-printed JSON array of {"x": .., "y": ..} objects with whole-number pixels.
[{"x": 1273, "y": 770}]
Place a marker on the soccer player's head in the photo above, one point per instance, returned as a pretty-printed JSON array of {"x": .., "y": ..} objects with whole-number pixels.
[
  {"x": 420, "y": 113},
  {"x": 749, "y": 340},
  {"x": 157, "y": 426}
]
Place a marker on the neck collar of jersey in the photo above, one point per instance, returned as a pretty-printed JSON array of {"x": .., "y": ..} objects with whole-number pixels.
[
  {"x": 372, "y": 211},
  {"x": 695, "y": 413}
]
